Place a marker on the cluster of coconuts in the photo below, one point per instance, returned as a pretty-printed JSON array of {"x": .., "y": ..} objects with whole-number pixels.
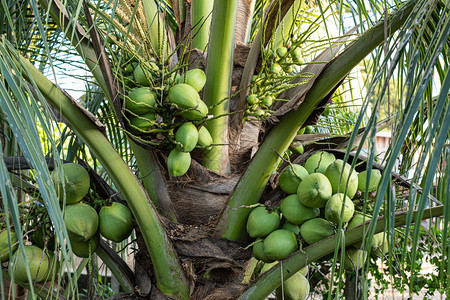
[
  {"x": 263, "y": 92},
  {"x": 84, "y": 226},
  {"x": 318, "y": 200},
  {"x": 83, "y": 223},
  {"x": 176, "y": 114}
]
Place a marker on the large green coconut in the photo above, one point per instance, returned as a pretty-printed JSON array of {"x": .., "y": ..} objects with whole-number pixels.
[
  {"x": 81, "y": 221},
  {"x": 334, "y": 206},
  {"x": 354, "y": 259},
  {"x": 279, "y": 244},
  {"x": 315, "y": 230},
  {"x": 319, "y": 162},
  {"x": 333, "y": 173},
  {"x": 178, "y": 162},
  {"x": 73, "y": 184},
  {"x": 116, "y": 222},
  {"x": 295, "y": 212},
  {"x": 295, "y": 287},
  {"x": 186, "y": 98},
  {"x": 8, "y": 244},
  {"x": 261, "y": 222},
  {"x": 38, "y": 264},
  {"x": 375, "y": 177},
  {"x": 291, "y": 177},
  {"x": 314, "y": 190},
  {"x": 140, "y": 100},
  {"x": 187, "y": 137}
]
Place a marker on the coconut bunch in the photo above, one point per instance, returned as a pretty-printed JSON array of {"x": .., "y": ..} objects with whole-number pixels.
[
  {"x": 317, "y": 200},
  {"x": 276, "y": 73},
  {"x": 166, "y": 111},
  {"x": 85, "y": 226}
]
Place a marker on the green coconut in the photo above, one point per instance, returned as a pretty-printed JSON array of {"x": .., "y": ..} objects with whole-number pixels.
[
  {"x": 296, "y": 212},
  {"x": 354, "y": 259},
  {"x": 291, "y": 177},
  {"x": 281, "y": 51},
  {"x": 187, "y": 136},
  {"x": 359, "y": 219},
  {"x": 295, "y": 287},
  {"x": 115, "y": 222},
  {"x": 314, "y": 190},
  {"x": 38, "y": 264},
  {"x": 187, "y": 98},
  {"x": 375, "y": 177},
  {"x": 142, "y": 122},
  {"x": 140, "y": 100},
  {"x": 81, "y": 221},
  {"x": 204, "y": 138},
  {"x": 279, "y": 244},
  {"x": 178, "y": 162},
  {"x": 258, "y": 251},
  {"x": 291, "y": 227},
  {"x": 319, "y": 162},
  {"x": 315, "y": 230},
  {"x": 195, "y": 78},
  {"x": 86, "y": 248},
  {"x": 8, "y": 244},
  {"x": 297, "y": 148},
  {"x": 73, "y": 184},
  {"x": 141, "y": 76},
  {"x": 334, "y": 206},
  {"x": 382, "y": 248},
  {"x": 261, "y": 222},
  {"x": 333, "y": 173}
]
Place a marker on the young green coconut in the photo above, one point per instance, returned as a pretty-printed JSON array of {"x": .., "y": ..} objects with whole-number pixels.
[
  {"x": 261, "y": 222},
  {"x": 38, "y": 263},
  {"x": 116, "y": 222},
  {"x": 81, "y": 221},
  {"x": 73, "y": 184}
]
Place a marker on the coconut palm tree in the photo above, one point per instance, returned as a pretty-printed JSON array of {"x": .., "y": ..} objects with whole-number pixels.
[{"x": 272, "y": 68}]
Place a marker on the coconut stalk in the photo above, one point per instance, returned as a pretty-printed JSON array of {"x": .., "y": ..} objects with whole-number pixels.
[
  {"x": 153, "y": 181},
  {"x": 251, "y": 185},
  {"x": 271, "y": 280},
  {"x": 169, "y": 274},
  {"x": 201, "y": 22},
  {"x": 218, "y": 83}
]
